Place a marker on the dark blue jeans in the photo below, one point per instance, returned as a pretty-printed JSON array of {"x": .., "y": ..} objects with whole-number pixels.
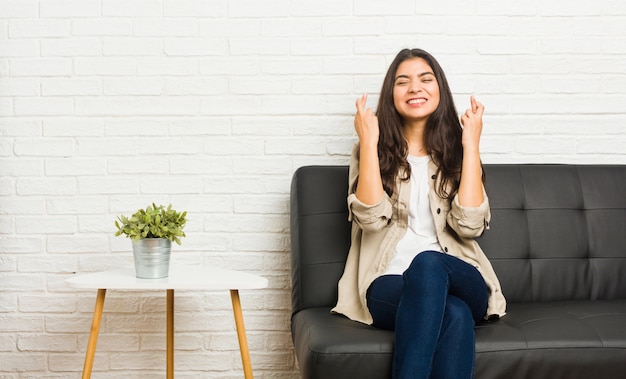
[{"x": 433, "y": 308}]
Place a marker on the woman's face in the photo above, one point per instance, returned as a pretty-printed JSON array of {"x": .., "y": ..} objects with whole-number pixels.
[{"x": 415, "y": 90}]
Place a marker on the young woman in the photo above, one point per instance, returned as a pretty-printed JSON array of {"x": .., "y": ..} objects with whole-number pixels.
[{"x": 416, "y": 201}]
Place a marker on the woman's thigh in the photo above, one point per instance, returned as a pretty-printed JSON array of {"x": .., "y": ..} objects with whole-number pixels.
[
  {"x": 383, "y": 297},
  {"x": 464, "y": 281}
]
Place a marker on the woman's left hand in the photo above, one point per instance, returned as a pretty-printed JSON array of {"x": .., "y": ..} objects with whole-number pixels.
[{"x": 472, "y": 121}]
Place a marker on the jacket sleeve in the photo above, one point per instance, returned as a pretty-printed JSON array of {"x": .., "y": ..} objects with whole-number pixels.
[
  {"x": 368, "y": 217},
  {"x": 469, "y": 222}
]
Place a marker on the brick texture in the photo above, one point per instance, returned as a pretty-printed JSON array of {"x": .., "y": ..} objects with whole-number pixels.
[{"x": 109, "y": 105}]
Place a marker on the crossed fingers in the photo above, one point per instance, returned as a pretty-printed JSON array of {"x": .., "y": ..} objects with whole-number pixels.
[
  {"x": 360, "y": 104},
  {"x": 476, "y": 111}
]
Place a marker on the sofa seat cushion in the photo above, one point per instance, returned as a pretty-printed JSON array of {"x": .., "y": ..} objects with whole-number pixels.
[
  {"x": 569, "y": 339},
  {"x": 572, "y": 339},
  {"x": 332, "y": 346}
]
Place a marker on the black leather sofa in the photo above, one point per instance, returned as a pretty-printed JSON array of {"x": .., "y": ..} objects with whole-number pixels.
[{"x": 557, "y": 241}]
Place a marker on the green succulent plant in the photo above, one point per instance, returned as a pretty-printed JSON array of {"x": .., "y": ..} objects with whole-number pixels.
[{"x": 153, "y": 222}]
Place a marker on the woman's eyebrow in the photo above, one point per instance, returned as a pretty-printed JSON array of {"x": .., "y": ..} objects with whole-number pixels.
[{"x": 418, "y": 75}]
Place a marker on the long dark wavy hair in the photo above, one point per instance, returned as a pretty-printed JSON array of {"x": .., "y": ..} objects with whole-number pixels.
[{"x": 442, "y": 137}]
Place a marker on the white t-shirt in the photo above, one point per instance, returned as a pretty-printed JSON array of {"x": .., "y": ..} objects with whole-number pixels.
[{"x": 420, "y": 234}]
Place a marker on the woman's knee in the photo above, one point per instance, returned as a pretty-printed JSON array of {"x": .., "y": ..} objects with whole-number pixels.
[{"x": 426, "y": 261}]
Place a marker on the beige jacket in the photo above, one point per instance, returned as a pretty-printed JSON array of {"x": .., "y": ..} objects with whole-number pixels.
[{"x": 376, "y": 230}]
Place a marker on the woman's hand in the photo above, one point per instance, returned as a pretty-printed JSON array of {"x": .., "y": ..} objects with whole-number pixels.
[
  {"x": 369, "y": 189},
  {"x": 366, "y": 124},
  {"x": 471, "y": 186},
  {"x": 472, "y": 121}
]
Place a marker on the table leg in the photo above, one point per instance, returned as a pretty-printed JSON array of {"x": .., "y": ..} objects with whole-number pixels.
[
  {"x": 170, "y": 334},
  {"x": 241, "y": 334},
  {"x": 93, "y": 334}
]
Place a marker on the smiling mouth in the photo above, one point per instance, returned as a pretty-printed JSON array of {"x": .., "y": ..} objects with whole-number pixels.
[{"x": 417, "y": 101}]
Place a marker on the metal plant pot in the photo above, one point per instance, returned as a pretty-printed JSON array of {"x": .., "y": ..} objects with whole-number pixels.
[{"x": 152, "y": 257}]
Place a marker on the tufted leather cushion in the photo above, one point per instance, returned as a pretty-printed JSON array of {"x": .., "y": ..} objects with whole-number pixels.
[
  {"x": 557, "y": 241},
  {"x": 558, "y": 232}
]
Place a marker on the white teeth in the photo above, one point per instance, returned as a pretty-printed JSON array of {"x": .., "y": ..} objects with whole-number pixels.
[{"x": 416, "y": 101}]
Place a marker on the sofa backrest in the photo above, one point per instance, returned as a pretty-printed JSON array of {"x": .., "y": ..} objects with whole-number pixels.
[
  {"x": 558, "y": 232},
  {"x": 320, "y": 234}
]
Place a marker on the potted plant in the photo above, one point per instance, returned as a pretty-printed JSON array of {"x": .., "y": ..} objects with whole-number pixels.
[{"x": 152, "y": 231}]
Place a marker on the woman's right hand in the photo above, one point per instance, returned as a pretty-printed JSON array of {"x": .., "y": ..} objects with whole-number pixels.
[
  {"x": 369, "y": 188},
  {"x": 366, "y": 123}
]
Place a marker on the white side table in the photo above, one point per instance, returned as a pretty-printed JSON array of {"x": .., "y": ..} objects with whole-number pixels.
[{"x": 180, "y": 278}]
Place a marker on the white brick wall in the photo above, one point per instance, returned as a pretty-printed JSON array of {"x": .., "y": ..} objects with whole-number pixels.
[{"x": 108, "y": 105}]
